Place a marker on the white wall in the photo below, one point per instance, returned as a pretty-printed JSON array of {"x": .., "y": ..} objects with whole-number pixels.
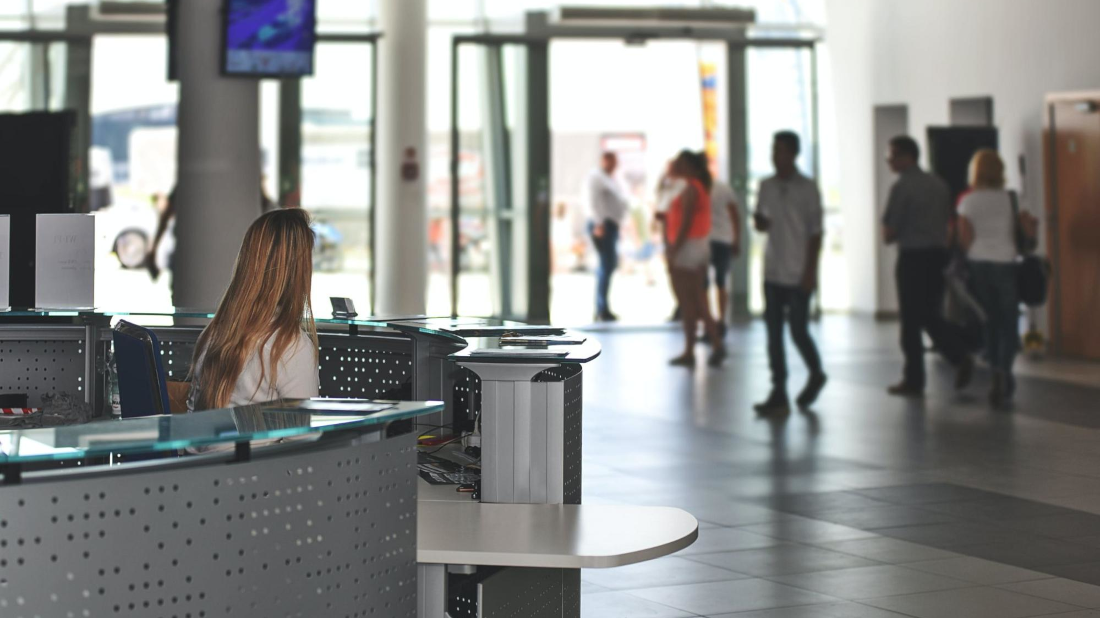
[{"x": 925, "y": 53}]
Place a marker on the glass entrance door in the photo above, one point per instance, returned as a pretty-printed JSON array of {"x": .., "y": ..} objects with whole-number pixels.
[{"x": 498, "y": 225}]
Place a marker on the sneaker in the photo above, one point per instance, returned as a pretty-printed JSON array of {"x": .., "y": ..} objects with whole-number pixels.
[
  {"x": 813, "y": 388},
  {"x": 964, "y": 373},
  {"x": 997, "y": 391},
  {"x": 902, "y": 389},
  {"x": 776, "y": 403},
  {"x": 717, "y": 356},
  {"x": 687, "y": 360}
]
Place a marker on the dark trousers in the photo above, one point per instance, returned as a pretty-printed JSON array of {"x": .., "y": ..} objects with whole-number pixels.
[
  {"x": 920, "y": 300},
  {"x": 607, "y": 248},
  {"x": 782, "y": 304},
  {"x": 995, "y": 287}
]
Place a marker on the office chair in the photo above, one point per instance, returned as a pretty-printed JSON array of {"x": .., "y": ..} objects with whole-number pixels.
[{"x": 142, "y": 383}]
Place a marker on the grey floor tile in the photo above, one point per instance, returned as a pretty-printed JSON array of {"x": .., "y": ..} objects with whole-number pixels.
[
  {"x": 1001, "y": 508},
  {"x": 970, "y": 603},
  {"x": 590, "y": 588},
  {"x": 893, "y": 551},
  {"x": 808, "y": 531},
  {"x": 832, "y": 610},
  {"x": 953, "y": 536},
  {"x": 783, "y": 560},
  {"x": 1064, "y": 590},
  {"x": 811, "y": 503},
  {"x": 1065, "y": 526},
  {"x": 1034, "y": 553},
  {"x": 624, "y": 605},
  {"x": 729, "y": 597},
  {"x": 928, "y": 493},
  {"x": 977, "y": 571},
  {"x": 1085, "y": 613},
  {"x": 736, "y": 514},
  {"x": 885, "y": 517},
  {"x": 727, "y": 539},
  {"x": 1088, "y": 573},
  {"x": 868, "y": 582},
  {"x": 669, "y": 571}
]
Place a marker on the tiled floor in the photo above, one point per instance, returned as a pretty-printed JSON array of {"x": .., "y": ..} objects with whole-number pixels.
[{"x": 865, "y": 507}]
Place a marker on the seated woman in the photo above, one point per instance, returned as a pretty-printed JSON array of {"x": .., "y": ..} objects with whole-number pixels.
[{"x": 262, "y": 343}]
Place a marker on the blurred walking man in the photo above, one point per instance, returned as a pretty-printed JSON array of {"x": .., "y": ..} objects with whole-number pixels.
[
  {"x": 917, "y": 218},
  {"x": 607, "y": 206},
  {"x": 789, "y": 211}
]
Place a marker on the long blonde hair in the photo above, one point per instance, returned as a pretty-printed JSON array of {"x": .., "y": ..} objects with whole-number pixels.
[
  {"x": 268, "y": 299},
  {"x": 987, "y": 170}
]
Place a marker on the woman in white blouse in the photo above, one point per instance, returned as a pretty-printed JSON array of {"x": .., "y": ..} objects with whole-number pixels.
[
  {"x": 989, "y": 230},
  {"x": 262, "y": 343}
]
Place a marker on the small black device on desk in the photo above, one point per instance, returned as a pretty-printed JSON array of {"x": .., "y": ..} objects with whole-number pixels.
[{"x": 342, "y": 308}]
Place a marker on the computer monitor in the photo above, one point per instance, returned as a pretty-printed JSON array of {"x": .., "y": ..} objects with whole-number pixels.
[{"x": 269, "y": 38}]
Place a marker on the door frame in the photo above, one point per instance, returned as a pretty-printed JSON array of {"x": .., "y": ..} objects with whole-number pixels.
[
  {"x": 540, "y": 33},
  {"x": 1053, "y": 208}
]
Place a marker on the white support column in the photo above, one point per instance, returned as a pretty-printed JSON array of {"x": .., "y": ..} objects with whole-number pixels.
[
  {"x": 218, "y": 178},
  {"x": 401, "y": 235}
]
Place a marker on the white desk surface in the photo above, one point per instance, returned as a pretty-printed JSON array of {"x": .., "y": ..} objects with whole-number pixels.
[{"x": 548, "y": 536}]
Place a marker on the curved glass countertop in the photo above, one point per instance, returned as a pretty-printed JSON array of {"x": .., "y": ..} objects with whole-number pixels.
[{"x": 158, "y": 434}]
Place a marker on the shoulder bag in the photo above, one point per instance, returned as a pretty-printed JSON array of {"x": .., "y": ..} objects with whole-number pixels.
[{"x": 1032, "y": 271}]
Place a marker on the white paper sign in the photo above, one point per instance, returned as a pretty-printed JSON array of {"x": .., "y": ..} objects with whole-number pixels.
[
  {"x": 5, "y": 262},
  {"x": 64, "y": 275}
]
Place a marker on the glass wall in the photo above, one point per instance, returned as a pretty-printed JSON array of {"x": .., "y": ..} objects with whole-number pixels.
[
  {"x": 336, "y": 180},
  {"x": 132, "y": 167},
  {"x": 652, "y": 101}
]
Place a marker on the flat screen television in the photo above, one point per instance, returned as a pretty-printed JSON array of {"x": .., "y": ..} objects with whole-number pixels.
[{"x": 269, "y": 38}]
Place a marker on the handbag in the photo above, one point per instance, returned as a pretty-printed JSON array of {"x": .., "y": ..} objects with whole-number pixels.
[{"x": 1032, "y": 271}]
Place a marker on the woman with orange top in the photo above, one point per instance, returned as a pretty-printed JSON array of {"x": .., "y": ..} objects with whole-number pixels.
[{"x": 687, "y": 232}]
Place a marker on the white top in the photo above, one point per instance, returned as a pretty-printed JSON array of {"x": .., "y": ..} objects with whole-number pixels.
[
  {"x": 603, "y": 197},
  {"x": 721, "y": 224},
  {"x": 794, "y": 208},
  {"x": 989, "y": 212},
  {"x": 548, "y": 535},
  {"x": 670, "y": 189},
  {"x": 298, "y": 376}
]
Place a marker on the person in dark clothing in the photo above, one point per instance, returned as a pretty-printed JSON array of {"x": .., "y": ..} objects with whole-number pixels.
[{"x": 918, "y": 215}]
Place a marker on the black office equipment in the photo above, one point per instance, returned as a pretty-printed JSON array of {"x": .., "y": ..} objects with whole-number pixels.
[
  {"x": 35, "y": 172},
  {"x": 950, "y": 150},
  {"x": 342, "y": 308},
  {"x": 142, "y": 382}
]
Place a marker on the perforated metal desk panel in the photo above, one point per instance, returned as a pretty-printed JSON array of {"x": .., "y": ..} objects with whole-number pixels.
[
  {"x": 322, "y": 524},
  {"x": 44, "y": 351}
]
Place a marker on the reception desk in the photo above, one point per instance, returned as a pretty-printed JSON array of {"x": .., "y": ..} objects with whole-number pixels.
[
  {"x": 330, "y": 512},
  {"x": 257, "y": 511}
]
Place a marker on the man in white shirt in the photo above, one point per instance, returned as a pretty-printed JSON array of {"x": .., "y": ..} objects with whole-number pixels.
[
  {"x": 725, "y": 244},
  {"x": 607, "y": 206},
  {"x": 789, "y": 211}
]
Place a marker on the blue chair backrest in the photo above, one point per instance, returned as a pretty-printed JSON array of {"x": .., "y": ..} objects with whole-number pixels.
[{"x": 142, "y": 383}]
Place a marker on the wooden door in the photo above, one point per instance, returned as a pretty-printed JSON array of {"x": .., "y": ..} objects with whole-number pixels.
[{"x": 1074, "y": 230}]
